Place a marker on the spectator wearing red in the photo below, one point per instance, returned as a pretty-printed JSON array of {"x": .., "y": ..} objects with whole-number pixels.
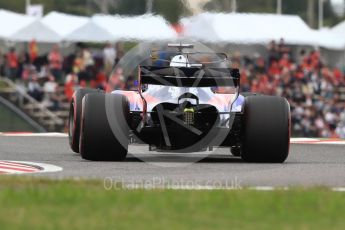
[
  {"x": 255, "y": 86},
  {"x": 71, "y": 85},
  {"x": 33, "y": 51},
  {"x": 339, "y": 77},
  {"x": 28, "y": 72},
  {"x": 315, "y": 59},
  {"x": 12, "y": 64},
  {"x": 299, "y": 74},
  {"x": 274, "y": 69},
  {"x": 83, "y": 84},
  {"x": 285, "y": 61},
  {"x": 101, "y": 80},
  {"x": 244, "y": 81},
  {"x": 55, "y": 63}
]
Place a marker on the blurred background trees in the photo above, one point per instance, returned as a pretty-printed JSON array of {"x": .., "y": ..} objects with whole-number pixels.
[{"x": 174, "y": 9}]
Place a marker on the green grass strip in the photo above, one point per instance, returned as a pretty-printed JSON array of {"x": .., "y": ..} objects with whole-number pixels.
[{"x": 27, "y": 203}]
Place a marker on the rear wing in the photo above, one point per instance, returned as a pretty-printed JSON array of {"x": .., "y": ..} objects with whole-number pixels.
[{"x": 189, "y": 76}]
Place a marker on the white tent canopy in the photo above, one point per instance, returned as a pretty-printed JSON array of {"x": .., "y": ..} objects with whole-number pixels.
[
  {"x": 36, "y": 31},
  {"x": 90, "y": 32},
  {"x": 243, "y": 28},
  {"x": 339, "y": 29},
  {"x": 57, "y": 27},
  {"x": 328, "y": 39},
  {"x": 11, "y": 22},
  {"x": 235, "y": 28},
  {"x": 64, "y": 24},
  {"x": 107, "y": 28},
  {"x": 145, "y": 27}
]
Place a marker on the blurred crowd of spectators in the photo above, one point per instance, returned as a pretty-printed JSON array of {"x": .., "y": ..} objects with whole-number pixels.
[
  {"x": 52, "y": 78},
  {"x": 313, "y": 89}
]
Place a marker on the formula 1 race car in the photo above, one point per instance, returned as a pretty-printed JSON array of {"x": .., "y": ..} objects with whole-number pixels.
[{"x": 179, "y": 108}]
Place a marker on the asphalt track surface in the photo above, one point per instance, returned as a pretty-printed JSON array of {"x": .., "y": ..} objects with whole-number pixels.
[{"x": 307, "y": 165}]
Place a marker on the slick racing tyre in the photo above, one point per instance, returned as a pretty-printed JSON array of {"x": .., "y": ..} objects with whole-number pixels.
[
  {"x": 74, "y": 117},
  {"x": 266, "y": 129},
  {"x": 102, "y": 139}
]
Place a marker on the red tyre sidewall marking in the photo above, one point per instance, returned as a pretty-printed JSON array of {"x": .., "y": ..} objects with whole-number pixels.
[
  {"x": 81, "y": 128},
  {"x": 289, "y": 144},
  {"x": 74, "y": 118}
]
